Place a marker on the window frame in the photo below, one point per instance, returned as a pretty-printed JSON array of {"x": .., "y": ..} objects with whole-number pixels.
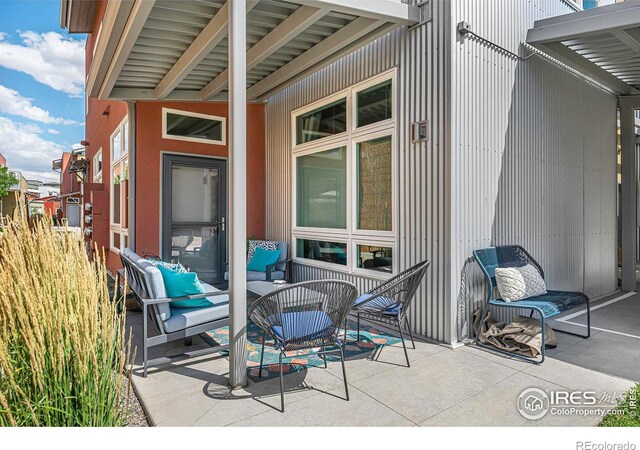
[
  {"x": 122, "y": 162},
  {"x": 222, "y": 120},
  {"x": 97, "y": 175},
  {"x": 350, "y": 139}
]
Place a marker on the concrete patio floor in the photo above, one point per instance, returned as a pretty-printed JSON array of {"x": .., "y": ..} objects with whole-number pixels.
[{"x": 467, "y": 386}]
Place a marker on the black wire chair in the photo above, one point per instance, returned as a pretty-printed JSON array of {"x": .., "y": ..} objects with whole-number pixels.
[
  {"x": 389, "y": 302},
  {"x": 305, "y": 316}
]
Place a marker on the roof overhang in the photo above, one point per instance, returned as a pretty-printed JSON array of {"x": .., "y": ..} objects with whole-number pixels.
[
  {"x": 603, "y": 43},
  {"x": 161, "y": 49},
  {"x": 76, "y": 16}
]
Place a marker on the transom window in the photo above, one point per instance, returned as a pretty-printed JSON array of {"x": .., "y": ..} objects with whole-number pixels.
[
  {"x": 344, "y": 159},
  {"x": 194, "y": 127},
  {"x": 119, "y": 187}
]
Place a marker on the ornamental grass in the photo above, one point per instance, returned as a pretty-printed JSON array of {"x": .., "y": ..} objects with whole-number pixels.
[{"x": 63, "y": 350}]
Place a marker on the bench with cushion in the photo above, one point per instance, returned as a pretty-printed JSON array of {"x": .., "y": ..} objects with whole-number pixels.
[
  {"x": 146, "y": 282},
  {"x": 546, "y": 306}
]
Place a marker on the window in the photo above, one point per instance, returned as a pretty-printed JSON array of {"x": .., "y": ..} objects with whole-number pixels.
[
  {"x": 322, "y": 189},
  {"x": 97, "y": 167},
  {"x": 119, "y": 182},
  {"x": 327, "y": 120},
  {"x": 344, "y": 180},
  {"x": 194, "y": 127}
]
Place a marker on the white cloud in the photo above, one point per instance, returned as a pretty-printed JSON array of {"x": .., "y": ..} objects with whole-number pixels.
[
  {"x": 50, "y": 58},
  {"x": 11, "y": 102},
  {"x": 26, "y": 151},
  {"x": 52, "y": 131}
]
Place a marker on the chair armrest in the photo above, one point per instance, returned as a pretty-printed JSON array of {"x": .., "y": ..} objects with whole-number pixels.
[{"x": 157, "y": 301}]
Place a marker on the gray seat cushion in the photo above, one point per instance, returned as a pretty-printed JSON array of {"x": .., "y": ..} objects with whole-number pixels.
[
  {"x": 182, "y": 318},
  {"x": 260, "y": 276},
  {"x": 155, "y": 280}
]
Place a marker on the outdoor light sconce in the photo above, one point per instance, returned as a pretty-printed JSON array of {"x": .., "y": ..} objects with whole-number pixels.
[{"x": 420, "y": 131}]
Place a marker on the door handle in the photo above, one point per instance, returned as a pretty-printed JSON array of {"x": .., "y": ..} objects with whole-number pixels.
[{"x": 220, "y": 224}]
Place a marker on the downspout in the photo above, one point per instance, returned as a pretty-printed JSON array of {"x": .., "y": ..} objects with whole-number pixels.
[{"x": 131, "y": 117}]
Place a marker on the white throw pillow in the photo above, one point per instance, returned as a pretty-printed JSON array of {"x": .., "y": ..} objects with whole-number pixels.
[{"x": 518, "y": 283}]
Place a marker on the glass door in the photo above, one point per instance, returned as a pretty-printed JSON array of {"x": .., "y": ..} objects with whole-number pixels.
[{"x": 194, "y": 214}]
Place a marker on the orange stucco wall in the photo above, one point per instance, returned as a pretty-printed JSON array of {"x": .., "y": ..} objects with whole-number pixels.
[{"x": 150, "y": 144}]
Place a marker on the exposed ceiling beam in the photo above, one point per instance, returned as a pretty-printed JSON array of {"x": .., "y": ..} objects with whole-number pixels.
[
  {"x": 630, "y": 38},
  {"x": 629, "y": 101},
  {"x": 210, "y": 36},
  {"x": 567, "y": 56},
  {"x": 585, "y": 23},
  {"x": 132, "y": 94},
  {"x": 113, "y": 23},
  {"x": 376, "y": 34},
  {"x": 384, "y": 10},
  {"x": 137, "y": 18},
  {"x": 324, "y": 49},
  {"x": 279, "y": 36}
]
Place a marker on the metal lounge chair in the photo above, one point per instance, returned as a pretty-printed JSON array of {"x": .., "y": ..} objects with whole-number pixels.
[
  {"x": 389, "y": 302},
  {"x": 305, "y": 316},
  {"x": 548, "y": 305}
]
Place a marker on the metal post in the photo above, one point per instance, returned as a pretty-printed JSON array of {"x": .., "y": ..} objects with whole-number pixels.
[
  {"x": 628, "y": 204},
  {"x": 238, "y": 195}
]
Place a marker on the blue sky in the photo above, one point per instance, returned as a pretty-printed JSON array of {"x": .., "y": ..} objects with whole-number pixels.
[{"x": 41, "y": 87}]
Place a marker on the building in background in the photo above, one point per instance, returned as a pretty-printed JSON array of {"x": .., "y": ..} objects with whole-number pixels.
[{"x": 72, "y": 167}]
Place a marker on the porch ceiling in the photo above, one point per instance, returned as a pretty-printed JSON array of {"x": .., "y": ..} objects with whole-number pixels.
[
  {"x": 178, "y": 50},
  {"x": 603, "y": 43}
]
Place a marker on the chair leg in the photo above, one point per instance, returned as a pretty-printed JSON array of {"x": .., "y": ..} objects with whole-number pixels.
[
  {"x": 358, "y": 333},
  {"x": 324, "y": 356},
  {"x": 588, "y": 320},
  {"x": 264, "y": 338},
  {"x": 406, "y": 320},
  {"x": 144, "y": 341},
  {"x": 281, "y": 384},
  {"x": 404, "y": 346},
  {"x": 344, "y": 373}
]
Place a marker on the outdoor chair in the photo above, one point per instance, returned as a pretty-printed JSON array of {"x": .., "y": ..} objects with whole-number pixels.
[
  {"x": 548, "y": 305},
  {"x": 277, "y": 271},
  {"x": 204, "y": 261},
  {"x": 389, "y": 302},
  {"x": 146, "y": 282},
  {"x": 305, "y": 316}
]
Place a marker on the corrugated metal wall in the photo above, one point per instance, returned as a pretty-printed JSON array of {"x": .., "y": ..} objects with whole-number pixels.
[
  {"x": 533, "y": 156},
  {"x": 422, "y": 89},
  {"x": 518, "y": 152}
]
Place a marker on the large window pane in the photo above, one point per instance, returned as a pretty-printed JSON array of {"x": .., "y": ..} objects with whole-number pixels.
[
  {"x": 325, "y": 121},
  {"x": 181, "y": 125},
  {"x": 116, "y": 146},
  {"x": 373, "y": 257},
  {"x": 332, "y": 252},
  {"x": 321, "y": 189},
  {"x": 374, "y": 184},
  {"x": 374, "y": 104},
  {"x": 116, "y": 177}
]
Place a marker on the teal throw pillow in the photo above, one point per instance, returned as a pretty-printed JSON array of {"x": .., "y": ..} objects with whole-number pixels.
[
  {"x": 180, "y": 284},
  {"x": 263, "y": 258}
]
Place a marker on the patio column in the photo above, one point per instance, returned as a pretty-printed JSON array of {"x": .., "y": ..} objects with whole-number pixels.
[
  {"x": 238, "y": 195},
  {"x": 628, "y": 212}
]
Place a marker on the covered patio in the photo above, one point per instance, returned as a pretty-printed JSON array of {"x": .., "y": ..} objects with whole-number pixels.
[{"x": 231, "y": 51}]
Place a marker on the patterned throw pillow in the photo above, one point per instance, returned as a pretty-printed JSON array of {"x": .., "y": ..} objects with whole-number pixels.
[
  {"x": 267, "y": 245},
  {"x": 518, "y": 283},
  {"x": 176, "y": 267}
]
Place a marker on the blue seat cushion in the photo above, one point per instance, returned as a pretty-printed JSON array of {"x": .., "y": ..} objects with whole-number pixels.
[
  {"x": 302, "y": 325},
  {"x": 390, "y": 307},
  {"x": 551, "y": 304}
]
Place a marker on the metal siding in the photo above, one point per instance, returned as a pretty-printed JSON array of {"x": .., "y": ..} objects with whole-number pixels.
[
  {"x": 422, "y": 61},
  {"x": 533, "y": 157}
]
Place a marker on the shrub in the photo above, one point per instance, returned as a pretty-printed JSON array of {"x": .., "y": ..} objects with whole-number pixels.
[
  {"x": 627, "y": 413},
  {"x": 62, "y": 341}
]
